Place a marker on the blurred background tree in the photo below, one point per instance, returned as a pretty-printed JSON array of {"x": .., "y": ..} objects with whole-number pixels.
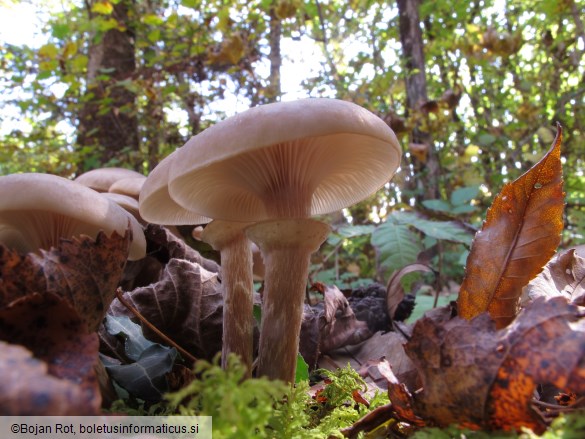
[{"x": 473, "y": 90}]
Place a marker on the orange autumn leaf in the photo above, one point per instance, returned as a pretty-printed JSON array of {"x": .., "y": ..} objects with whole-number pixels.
[{"x": 520, "y": 234}]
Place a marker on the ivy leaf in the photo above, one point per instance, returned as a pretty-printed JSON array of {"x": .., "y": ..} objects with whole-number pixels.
[
  {"x": 146, "y": 378},
  {"x": 520, "y": 234},
  {"x": 135, "y": 342}
]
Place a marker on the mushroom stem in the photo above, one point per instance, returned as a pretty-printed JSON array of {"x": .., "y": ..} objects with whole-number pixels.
[
  {"x": 237, "y": 286},
  {"x": 286, "y": 246}
]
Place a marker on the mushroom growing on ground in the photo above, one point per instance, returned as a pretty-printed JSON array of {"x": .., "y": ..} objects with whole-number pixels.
[
  {"x": 157, "y": 206},
  {"x": 277, "y": 165},
  {"x": 101, "y": 179},
  {"x": 37, "y": 210}
]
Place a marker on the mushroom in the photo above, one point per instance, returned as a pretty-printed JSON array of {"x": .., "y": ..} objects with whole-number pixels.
[
  {"x": 238, "y": 288},
  {"x": 102, "y": 178},
  {"x": 157, "y": 206},
  {"x": 129, "y": 204},
  {"x": 37, "y": 210},
  {"x": 277, "y": 165},
  {"x": 130, "y": 186}
]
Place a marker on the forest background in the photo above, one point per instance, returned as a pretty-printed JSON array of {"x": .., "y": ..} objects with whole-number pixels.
[{"x": 473, "y": 90}]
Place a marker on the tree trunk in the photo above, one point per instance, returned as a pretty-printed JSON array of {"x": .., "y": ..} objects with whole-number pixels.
[
  {"x": 274, "y": 90},
  {"x": 108, "y": 121},
  {"x": 416, "y": 94}
]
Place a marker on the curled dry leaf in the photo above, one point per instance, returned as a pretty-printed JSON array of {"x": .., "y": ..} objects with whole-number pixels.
[
  {"x": 60, "y": 379},
  {"x": 563, "y": 275},
  {"x": 481, "y": 378},
  {"x": 395, "y": 292},
  {"x": 185, "y": 305},
  {"x": 520, "y": 234},
  {"x": 338, "y": 325},
  {"x": 82, "y": 271},
  {"x": 165, "y": 246}
]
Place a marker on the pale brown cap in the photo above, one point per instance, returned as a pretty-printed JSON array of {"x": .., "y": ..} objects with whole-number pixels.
[
  {"x": 128, "y": 186},
  {"x": 102, "y": 178},
  {"x": 36, "y": 210},
  {"x": 288, "y": 159},
  {"x": 156, "y": 205}
]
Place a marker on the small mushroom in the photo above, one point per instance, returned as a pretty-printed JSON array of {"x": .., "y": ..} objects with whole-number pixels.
[
  {"x": 37, "y": 210},
  {"x": 101, "y": 179},
  {"x": 277, "y": 165}
]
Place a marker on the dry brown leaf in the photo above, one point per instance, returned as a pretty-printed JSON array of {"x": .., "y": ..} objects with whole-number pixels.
[
  {"x": 65, "y": 357},
  {"x": 394, "y": 291},
  {"x": 186, "y": 305},
  {"x": 481, "y": 378},
  {"x": 520, "y": 234},
  {"x": 165, "y": 246},
  {"x": 563, "y": 275},
  {"x": 82, "y": 271},
  {"x": 338, "y": 325}
]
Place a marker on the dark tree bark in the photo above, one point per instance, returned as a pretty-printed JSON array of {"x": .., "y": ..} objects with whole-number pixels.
[
  {"x": 416, "y": 94},
  {"x": 113, "y": 133}
]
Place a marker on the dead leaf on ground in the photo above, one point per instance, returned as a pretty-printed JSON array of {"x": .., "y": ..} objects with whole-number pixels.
[
  {"x": 563, "y": 275},
  {"x": 82, "y": 271},
  {"x": 395, "y": 292},
  {"x": 338, "y": 324},
  {"x": 481, "y": 378},
  {"x": 520, "y": 234},
  {"x": 186, "y": 305},
  {"x": 43, "y": 393},
  {"x": 64, "y": 358},
  {"x": 163, "y": 245}
]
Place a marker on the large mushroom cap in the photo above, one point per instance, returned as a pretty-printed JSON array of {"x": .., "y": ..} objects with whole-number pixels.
[
  {"x": 157, "y": 206},
  {"x": 36, "y": 210},
  {"x": 288, "y": 159},
  {"x": 101, "y": 179}
]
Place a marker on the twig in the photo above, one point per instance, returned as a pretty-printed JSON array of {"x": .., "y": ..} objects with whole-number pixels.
[
  {"x": 143, "y": 319},
  {"x": 370, "y": 421}
]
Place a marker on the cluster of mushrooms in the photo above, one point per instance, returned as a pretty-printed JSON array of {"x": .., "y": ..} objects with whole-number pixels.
[{"x": 257, "y": 177}]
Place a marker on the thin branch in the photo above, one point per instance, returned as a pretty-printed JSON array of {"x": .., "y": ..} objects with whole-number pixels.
[{"x": 143, "y": 319}]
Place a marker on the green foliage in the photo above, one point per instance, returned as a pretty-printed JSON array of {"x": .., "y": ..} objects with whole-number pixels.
[
  {"x": 240, "y": 408},
  {"x": 261, "y": 408}
]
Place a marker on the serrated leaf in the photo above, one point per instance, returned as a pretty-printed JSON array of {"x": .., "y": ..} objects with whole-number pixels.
[
  {"x": 520, "y": 234},
  {"x": 396, "y": 244}
]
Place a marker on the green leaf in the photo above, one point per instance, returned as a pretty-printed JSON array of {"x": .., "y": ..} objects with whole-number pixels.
[
  {"x": 302, "y": 371},
  {"x": 146, "y": 378},
  {"x": 102, "y": 7},
  {"x": 447, "y": 230},
  {"x": 189, "y": 3},
  {"x": 154, "y": 35},
  {"x": 486, "y": 139},
  {"x": 464, "y": 195},
  {"x": 438, "y": 205},
  {"x": 135, "y": 342},
  {"x": 152, "y": 19},
  {"x": 61, "y": 30},
  {"x": 396, "y": 244}
]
